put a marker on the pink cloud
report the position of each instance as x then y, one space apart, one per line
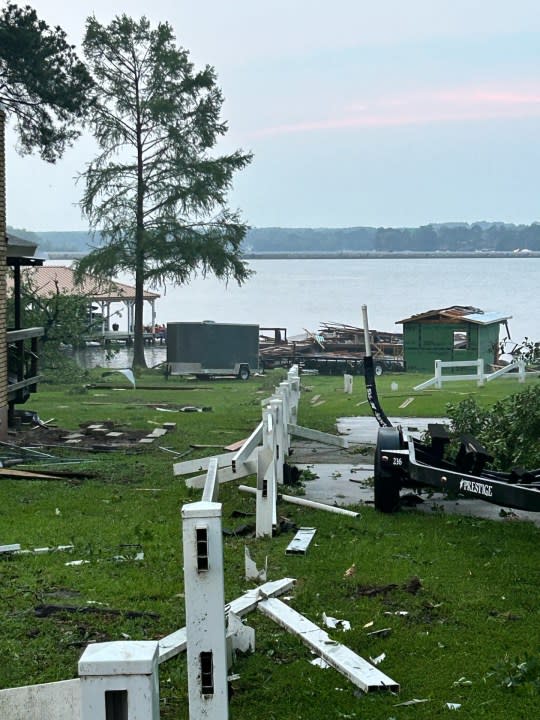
422 108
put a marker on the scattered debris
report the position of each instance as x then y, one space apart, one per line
384 632
462 682
319 662
414 701
453 706
126 372
9 549
301 541
336 624
251 570
242 636
43 611
411 586
350 571
355 668
407 402
233 447
378 660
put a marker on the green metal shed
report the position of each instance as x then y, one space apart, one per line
450 334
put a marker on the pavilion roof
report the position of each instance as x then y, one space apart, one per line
48 278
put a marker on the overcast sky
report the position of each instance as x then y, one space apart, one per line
394 113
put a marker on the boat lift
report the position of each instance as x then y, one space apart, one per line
403 461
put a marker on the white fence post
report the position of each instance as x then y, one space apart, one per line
205 619
347 383
266 513
284 393
438 374
280 437
481 376
119 681
294 384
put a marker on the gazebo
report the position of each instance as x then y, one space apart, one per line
49 279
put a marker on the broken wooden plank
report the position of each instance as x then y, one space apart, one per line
300 542
226 474
253 442
310 434
15 547
211 485
175 643
233 447
27 474
191 466
359 671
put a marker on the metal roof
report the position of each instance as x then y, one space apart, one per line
487 318
459 312
48 279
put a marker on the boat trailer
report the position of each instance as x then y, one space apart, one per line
403 461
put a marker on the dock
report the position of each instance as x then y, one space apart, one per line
110 337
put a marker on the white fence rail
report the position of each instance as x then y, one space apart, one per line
480 376
119 680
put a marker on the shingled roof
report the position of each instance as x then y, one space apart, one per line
47 279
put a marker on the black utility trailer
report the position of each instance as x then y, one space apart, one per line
403 461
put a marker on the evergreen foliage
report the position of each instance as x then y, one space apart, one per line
155 192
43 84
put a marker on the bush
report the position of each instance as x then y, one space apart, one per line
510 430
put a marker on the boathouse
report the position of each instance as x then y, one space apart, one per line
451 334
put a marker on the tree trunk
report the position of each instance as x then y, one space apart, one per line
139 361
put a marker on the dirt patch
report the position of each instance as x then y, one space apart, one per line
97 436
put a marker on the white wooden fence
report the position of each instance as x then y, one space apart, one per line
480 375
120 680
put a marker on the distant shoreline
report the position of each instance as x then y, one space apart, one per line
349 255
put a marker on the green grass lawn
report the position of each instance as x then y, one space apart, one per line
470 635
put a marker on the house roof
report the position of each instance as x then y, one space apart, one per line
457 313
50 278
22 251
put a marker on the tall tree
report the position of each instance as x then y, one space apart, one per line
155 191
43 84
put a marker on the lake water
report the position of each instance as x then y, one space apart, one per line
300 294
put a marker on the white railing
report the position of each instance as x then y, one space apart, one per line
480 376
120 680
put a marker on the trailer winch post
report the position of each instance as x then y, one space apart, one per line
369 376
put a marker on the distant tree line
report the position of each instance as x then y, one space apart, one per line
449 237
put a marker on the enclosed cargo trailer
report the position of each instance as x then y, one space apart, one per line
209 349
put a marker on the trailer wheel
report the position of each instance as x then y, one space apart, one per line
243 373
387 484
378 370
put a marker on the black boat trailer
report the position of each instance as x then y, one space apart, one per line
404 461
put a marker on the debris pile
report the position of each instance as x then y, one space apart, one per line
335 348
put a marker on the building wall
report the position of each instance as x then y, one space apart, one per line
3 272
423 343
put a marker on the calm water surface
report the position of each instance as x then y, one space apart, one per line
300 294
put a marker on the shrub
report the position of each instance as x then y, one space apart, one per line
510 430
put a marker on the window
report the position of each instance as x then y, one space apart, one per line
461 340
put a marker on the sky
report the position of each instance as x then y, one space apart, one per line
358 113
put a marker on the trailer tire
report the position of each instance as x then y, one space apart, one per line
378 370
387 485
243 373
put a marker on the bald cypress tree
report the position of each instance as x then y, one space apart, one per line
156 191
